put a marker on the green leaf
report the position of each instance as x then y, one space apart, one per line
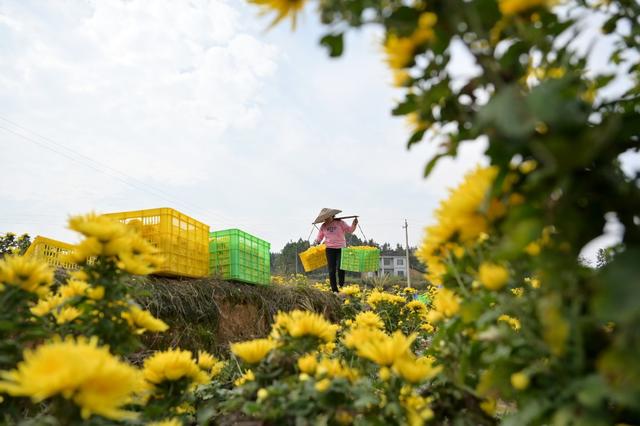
416 137
334 43
432 163
610 26
6 325
603 80
403 21
365 400
592 391
405 107
618 288
554 102
528 413
518 232
507 113
511 59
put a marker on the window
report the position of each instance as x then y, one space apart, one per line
400 262
400 273
387 271
388 261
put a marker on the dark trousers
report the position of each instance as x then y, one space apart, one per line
333 264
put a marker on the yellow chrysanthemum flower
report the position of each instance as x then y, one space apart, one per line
513 322
172 365
283 8
253 351
248 376
489 406
307 364
73 288
460 219
493 276
401 77
368 319
528 166
102 228
79 275
168 422
80 371
385 351
304 323
515 7
427 328
376 297
331 367
359 336
87 249
28 274
446 302
533 248
350 290
520 380
262 394
206 360
327 348
401 50
95 293
323 385
47 304
210 364
416 370
417 409
216 369
344 417
384 374
111 238
533 282
416 306
143 320
66 314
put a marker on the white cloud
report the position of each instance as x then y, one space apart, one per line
203 111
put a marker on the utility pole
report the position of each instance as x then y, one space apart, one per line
406 239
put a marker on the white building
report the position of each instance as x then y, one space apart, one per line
393 265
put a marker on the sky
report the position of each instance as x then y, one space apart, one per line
126 105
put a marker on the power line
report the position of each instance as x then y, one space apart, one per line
105 166
115 174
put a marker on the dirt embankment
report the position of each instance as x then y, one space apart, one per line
208 313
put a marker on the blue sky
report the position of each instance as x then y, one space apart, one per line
114 106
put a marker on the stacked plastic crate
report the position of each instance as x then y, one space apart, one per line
181 240
314 257
360 259
52 251
239 256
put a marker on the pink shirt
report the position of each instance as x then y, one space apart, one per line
333 234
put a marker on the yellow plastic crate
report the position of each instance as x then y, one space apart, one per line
52 251
314 257
180 239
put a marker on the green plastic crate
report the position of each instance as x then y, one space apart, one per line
359 260
239 256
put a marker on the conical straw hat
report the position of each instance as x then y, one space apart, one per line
325 214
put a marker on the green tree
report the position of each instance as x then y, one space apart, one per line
9 243
287 261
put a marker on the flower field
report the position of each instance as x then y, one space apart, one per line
514 328
480 347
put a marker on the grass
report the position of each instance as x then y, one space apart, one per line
209 313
